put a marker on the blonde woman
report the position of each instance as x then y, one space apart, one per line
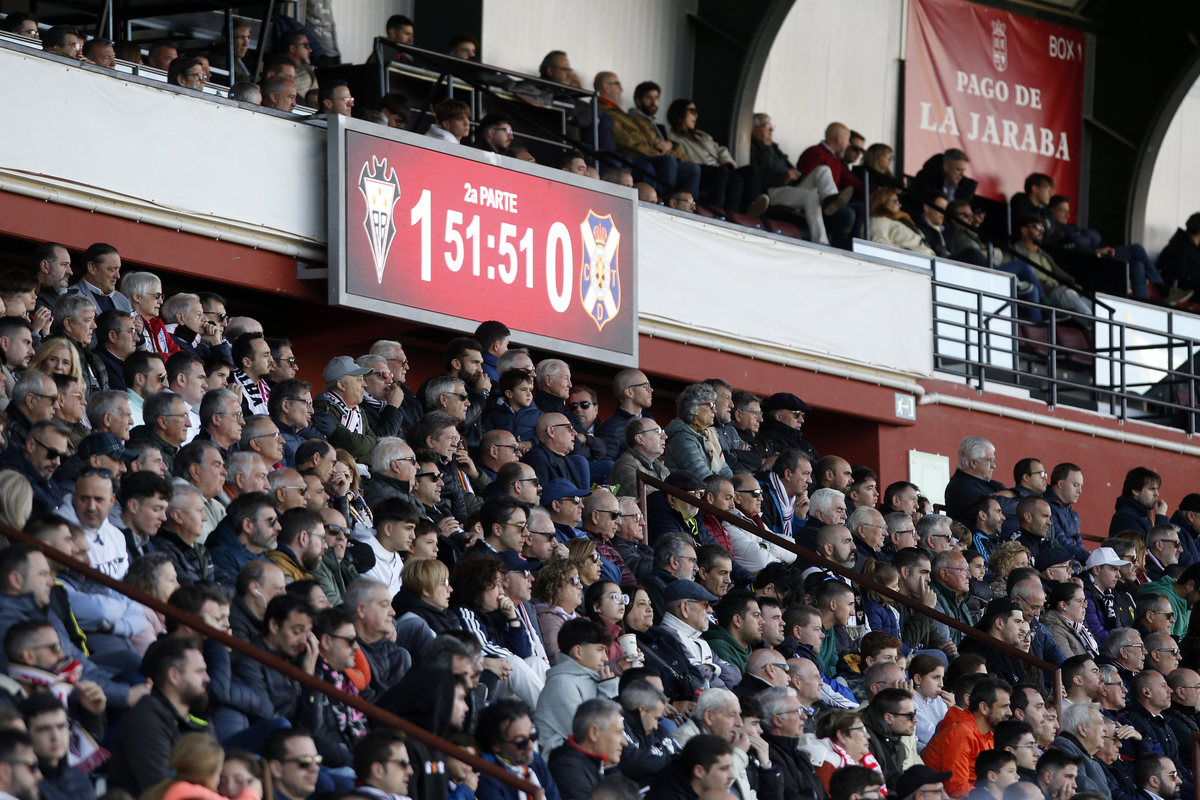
196 762
342 487
892 226
56 356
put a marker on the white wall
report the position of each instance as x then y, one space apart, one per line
834 60
360 21
638 40
1174 188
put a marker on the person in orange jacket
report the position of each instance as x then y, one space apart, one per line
966 732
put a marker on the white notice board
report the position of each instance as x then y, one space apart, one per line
930 472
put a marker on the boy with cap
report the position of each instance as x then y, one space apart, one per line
336 412
1108 607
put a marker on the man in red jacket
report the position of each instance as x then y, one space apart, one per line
843 219
966 732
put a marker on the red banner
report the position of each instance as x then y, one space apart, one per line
453 240
1005 89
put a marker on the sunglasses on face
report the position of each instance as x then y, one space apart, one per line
584 404
304 762
90 471
752 492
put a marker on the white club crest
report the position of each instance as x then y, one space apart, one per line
381 190
999 45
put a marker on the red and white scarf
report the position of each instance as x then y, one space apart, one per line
868 761
84 754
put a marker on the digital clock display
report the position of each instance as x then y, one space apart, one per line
454 238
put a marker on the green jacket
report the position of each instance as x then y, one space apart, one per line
827 656
726 647
334 576
1166 586
951 606
358 445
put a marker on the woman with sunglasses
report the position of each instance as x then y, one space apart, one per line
605 602
587 558
557 593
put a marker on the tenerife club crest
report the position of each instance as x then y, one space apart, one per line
600 278
381 190
999 45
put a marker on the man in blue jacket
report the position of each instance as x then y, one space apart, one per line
1066 486
1139 506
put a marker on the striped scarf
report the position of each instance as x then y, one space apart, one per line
257 393
868 761
350 418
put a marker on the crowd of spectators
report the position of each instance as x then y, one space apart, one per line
469 553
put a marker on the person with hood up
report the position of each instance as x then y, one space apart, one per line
436 700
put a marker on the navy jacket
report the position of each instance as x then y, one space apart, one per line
548 465
47 496
539 773
1067 534
612 431
961 490
1130 516
227 552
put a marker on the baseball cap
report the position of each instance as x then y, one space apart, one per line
340 367
688 590
1050 557
916 777
1105 557
684 480
784 401
105 444
1190 503
558 488
515 562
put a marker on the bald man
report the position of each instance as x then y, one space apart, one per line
633 393
764 669
828 153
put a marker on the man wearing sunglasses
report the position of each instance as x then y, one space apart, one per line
1061 288
783 419
601 519
508 738
751 551
36 457
292 758
891 724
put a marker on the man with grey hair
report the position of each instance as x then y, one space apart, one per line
634 395
221 420
1162 652
976 463
75 318
179 536
902 532
870 534
261 436
166 416
739 454
279 94
951 583
109 412
643 443
447 393
674 560
393 470
1163 547
374 623
338 408
34 398
630 540
783 718
597 739
783 183
650 747
718 712
934 534
1082 736
397 362
244 472
1125 650
246 92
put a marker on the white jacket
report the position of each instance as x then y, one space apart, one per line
885 230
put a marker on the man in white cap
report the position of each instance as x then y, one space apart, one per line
336 413
1108 607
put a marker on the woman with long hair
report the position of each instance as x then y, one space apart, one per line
722 182
196 762
16 500
56 356
605 602
1064 618
930 701
587 560
876 167
342 487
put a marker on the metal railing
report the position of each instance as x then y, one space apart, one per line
373 712
989 340
644 480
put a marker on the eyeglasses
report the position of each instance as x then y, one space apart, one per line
291 362
50 397
336 530
626 516
518 525
516 448
346 639
277 436
307 403
31 763
576 582
55 647
534 481
943 536
108 473
1028 744
619 598
616 515
1172 651
559 425
639 385
859 728
295 488
51 453
406 458
756 493
595 558
1170 615
575 500
404 763
548 534
783 667
460 395
304 762
239 415
584 404
1042 473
